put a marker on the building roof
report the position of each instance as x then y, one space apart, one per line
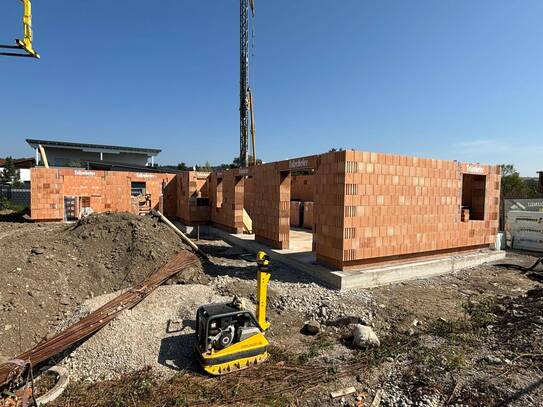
19 162
113 166
93 147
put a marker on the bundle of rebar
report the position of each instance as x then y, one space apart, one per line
90 324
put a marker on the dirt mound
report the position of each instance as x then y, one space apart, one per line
123 247
48 269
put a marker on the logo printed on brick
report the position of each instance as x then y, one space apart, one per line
85 173
475 169
144 175
298 163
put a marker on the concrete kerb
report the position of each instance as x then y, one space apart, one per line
369 277
416 270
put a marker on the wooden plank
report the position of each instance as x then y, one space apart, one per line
247 222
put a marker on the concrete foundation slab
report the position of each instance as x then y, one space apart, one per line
300 258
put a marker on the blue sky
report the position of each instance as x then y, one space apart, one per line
445 79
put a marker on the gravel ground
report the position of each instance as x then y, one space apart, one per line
140 338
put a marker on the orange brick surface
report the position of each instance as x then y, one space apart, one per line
308 215
106 190
362 207
302 188
295 208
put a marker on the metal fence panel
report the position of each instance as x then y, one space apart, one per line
524 224
17 196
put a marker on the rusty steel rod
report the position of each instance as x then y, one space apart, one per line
96 320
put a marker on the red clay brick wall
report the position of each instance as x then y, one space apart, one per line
249 195
192 185
397 205
308 215
295 213
302 188
226 200
271 210
328 208
108 190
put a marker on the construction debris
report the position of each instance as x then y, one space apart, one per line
59 387
342 392
377 399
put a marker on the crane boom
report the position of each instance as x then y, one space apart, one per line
26 43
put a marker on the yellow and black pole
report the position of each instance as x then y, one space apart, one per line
263 262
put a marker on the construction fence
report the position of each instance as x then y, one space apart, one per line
523 219
17 196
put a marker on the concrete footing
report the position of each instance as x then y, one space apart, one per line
368 276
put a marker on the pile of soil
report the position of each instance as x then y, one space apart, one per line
47 270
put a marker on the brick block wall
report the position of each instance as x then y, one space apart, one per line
295 207
226 200
308 215
106 190
192 185
271 211
302 188
328 208
397 206
248 195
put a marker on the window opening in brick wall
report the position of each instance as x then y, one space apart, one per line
473 195
137 188
220 197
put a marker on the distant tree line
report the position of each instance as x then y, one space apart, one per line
515 186
208 167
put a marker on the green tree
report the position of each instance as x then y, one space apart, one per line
206 167
236 163
514 186
10 174
182 167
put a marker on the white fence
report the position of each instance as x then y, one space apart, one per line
524 224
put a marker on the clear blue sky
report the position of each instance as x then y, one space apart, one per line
446 79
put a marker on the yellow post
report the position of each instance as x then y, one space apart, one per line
262 289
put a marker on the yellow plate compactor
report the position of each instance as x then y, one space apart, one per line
229 337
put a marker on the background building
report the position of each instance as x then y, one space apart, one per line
68 154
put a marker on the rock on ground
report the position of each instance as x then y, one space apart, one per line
364 336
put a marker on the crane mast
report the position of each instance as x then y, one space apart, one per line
244 83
